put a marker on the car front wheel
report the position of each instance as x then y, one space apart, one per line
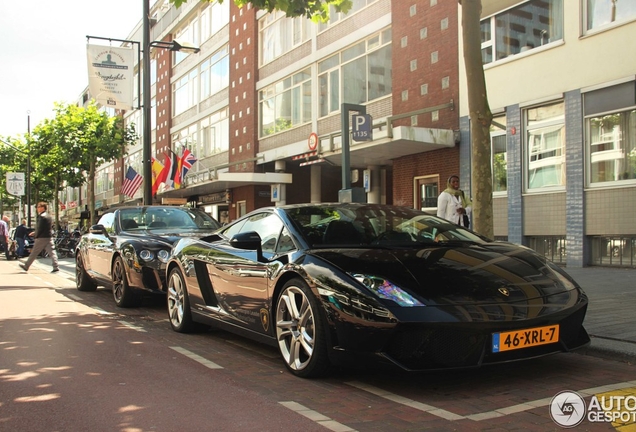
124 295
300 331
178 303
82 279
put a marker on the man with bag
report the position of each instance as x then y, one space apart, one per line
43 239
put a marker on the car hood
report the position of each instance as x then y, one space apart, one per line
166 237
457 275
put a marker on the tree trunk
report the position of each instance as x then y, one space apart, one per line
480 119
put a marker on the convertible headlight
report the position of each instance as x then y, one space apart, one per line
146 255
386 290
163 255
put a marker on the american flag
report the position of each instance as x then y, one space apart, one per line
132 181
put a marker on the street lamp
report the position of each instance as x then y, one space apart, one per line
147 144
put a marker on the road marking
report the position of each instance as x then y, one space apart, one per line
500 412
131 326
100 310
205 362
317 417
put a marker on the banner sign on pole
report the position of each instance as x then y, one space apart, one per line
110 75
15 183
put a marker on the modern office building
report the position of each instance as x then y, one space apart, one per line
263 104
562 84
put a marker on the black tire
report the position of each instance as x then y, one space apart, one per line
179 313
300 330
83 282
124 295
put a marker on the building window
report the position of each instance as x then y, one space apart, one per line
499 156
335 16
427 191
285 104
184 92
215 132
186 138
189 33
215 73
522 28
279 35
214 18
605 13
611 141
545 144
358 74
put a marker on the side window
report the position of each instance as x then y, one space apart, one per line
268 226
108 221
233 230
285 243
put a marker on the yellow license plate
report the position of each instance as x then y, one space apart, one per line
526 338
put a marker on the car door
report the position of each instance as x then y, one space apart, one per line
241 281
100 248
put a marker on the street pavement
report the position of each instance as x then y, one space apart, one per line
610 319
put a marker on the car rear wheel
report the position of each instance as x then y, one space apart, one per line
82 279
300 331
178 303
124 295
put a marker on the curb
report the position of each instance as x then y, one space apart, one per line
610 349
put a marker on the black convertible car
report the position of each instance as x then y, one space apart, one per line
326 283
129 247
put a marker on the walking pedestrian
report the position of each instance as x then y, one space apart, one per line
4 235
20 236
43 239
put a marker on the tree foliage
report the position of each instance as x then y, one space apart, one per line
67 149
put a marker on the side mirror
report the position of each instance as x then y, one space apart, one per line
97 229
248 241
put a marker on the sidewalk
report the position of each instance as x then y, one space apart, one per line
610 319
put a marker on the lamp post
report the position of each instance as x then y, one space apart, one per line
147 144
28 170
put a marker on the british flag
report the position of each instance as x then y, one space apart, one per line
185 163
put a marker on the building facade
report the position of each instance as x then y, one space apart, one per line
562 91
263 104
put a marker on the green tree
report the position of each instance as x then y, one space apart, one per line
68 148
479 110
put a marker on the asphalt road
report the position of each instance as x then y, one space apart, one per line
73 361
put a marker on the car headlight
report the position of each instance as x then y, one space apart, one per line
163 255
387 290
146 255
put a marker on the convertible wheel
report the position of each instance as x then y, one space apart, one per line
300 331
124 295
82 279
178 303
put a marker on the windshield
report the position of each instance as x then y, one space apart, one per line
375 225
162 218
